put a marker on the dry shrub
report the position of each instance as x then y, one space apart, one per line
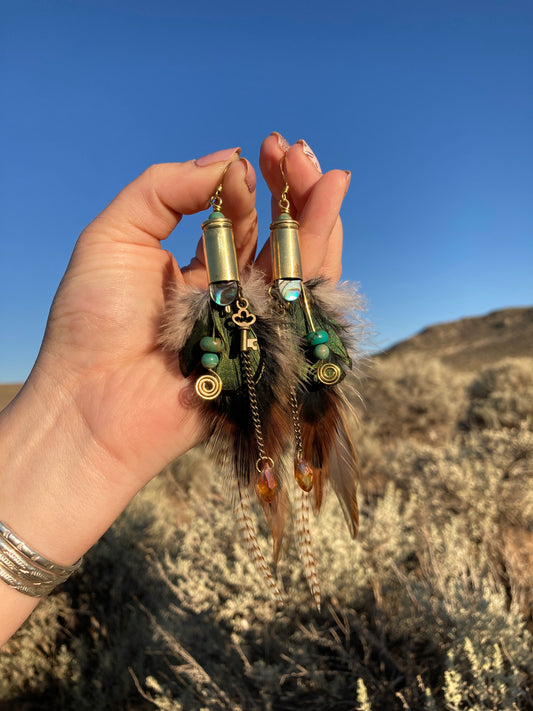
39 654
427 611
412 396
501 395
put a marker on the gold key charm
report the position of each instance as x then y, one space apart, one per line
244 320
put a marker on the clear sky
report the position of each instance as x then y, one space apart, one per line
428 102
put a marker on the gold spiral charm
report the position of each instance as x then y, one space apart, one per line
208 387
328 373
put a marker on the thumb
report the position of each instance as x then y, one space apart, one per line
149 208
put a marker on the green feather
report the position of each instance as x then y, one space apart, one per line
218 323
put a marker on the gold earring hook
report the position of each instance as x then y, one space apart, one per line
215 200
284 203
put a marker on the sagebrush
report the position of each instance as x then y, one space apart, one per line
430 609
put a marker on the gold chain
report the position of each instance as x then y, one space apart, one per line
296 423
254 406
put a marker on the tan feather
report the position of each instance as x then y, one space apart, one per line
247 528
303 538
344 471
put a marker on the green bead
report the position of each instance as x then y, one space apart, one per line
211 345
315 338
321 352
284 216
210 360
216 215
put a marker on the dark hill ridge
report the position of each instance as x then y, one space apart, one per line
470 343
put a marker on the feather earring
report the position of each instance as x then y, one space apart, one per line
229 343
320 397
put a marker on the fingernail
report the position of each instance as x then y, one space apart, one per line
309 153
249 175
282 142
217 157
348 178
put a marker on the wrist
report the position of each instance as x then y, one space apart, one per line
58 489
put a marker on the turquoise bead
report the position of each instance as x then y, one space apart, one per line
315 338
210 360
321 352
216 215
211 345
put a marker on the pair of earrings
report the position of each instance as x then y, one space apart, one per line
269 362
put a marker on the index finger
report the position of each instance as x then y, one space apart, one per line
149 208
315 202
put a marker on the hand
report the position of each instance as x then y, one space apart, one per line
101 340
102 412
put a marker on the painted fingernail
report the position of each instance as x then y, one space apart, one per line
282 142
348 178
249 175
309 153
217 156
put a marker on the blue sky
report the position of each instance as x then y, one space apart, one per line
428 103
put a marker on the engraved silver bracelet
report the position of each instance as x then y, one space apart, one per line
27 571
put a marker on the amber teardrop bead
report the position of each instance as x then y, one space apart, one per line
303 475
267 486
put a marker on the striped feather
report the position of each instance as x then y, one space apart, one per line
303 539
247 528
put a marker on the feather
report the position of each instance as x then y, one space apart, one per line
324 393
303 537
329 449
276 515
230 427
344 467
246 526
279 405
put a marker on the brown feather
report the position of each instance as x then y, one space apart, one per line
319 421
325 418
231 440
326 412
276 515
303 538
344 472
247 528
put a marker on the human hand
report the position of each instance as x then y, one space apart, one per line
100 362
101 341
102 411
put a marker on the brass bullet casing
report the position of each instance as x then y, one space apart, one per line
285 248
219 249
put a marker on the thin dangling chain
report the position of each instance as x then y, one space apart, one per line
243 319
254 407
296 424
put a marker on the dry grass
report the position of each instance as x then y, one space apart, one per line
430 609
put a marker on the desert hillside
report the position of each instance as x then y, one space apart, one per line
470 343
